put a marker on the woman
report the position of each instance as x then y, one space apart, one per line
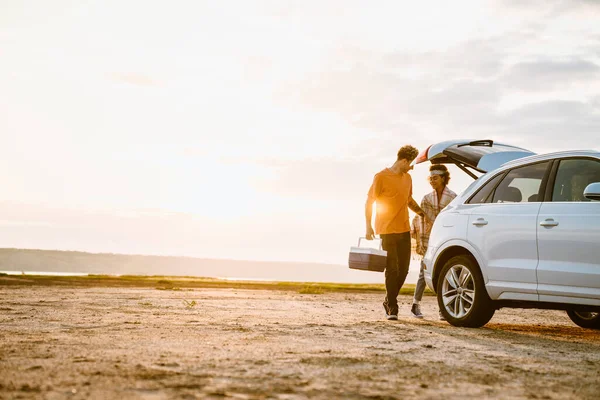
432 204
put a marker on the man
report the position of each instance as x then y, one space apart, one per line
432 204
392 191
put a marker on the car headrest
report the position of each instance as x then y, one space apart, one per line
511 194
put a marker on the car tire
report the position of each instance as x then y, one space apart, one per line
461 293
590 320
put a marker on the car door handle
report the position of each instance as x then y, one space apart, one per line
549 222
480 222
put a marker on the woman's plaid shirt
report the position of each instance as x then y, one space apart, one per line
421 229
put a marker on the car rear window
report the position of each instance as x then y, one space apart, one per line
482 195
521 185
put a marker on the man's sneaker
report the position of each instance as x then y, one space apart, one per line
416 311
442 318
389 314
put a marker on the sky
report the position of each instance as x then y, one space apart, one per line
252 130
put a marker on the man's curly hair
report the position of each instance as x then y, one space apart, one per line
408 152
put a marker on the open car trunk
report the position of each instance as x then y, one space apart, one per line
472 155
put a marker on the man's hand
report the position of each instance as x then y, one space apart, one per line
370 233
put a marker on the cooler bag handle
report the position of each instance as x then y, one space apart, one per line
380 241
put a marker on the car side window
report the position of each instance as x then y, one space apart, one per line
483 194
521 185
572 176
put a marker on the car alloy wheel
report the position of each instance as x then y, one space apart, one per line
585 319
458 291
588 316
461 293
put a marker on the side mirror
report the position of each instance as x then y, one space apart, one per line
592 191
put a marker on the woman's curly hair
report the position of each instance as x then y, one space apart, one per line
441 167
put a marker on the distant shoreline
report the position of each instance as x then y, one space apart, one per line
58 273
181 283
62 262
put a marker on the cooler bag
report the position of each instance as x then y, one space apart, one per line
367 258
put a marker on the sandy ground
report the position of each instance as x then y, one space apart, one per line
103 343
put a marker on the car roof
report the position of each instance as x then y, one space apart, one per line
551 156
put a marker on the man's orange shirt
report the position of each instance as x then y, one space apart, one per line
391 192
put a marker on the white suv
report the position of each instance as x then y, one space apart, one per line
525 234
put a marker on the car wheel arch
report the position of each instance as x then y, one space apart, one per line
449 252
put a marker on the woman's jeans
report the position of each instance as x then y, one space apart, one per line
420 288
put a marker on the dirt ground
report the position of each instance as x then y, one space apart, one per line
141 343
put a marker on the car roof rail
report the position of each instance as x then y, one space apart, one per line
484 142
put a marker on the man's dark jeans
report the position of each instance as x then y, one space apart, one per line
398 250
